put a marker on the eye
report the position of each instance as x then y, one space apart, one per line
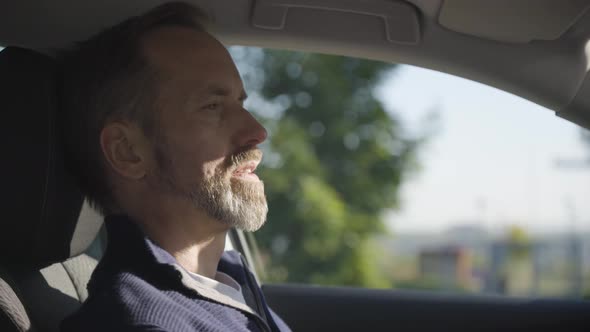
211 107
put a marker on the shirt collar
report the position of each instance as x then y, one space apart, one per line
129 249
123 232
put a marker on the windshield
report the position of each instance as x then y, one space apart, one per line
392 176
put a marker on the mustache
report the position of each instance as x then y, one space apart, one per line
236 159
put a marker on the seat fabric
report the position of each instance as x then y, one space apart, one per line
45 227
49 294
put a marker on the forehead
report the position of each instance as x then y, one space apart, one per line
188 54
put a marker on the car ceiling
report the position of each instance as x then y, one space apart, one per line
536 49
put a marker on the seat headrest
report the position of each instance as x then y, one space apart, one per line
42 220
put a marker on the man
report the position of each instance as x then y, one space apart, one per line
162 144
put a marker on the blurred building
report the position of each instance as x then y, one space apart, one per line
512 267
449 266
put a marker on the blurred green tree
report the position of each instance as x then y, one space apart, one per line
334 161
519 242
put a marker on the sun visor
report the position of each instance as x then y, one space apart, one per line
512 21
399 19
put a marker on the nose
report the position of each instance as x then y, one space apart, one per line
251 132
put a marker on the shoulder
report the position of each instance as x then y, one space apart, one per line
130 303
126 303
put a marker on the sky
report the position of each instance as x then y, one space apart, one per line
490 159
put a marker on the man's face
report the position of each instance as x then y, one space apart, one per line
205 144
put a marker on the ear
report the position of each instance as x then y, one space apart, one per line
125 149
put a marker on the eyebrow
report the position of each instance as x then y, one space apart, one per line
224 92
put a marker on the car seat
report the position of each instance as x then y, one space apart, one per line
45 227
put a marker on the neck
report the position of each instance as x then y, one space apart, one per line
190 235
200 257
197 250
194 239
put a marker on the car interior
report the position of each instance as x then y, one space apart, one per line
49 237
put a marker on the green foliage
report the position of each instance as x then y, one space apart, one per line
333 162
431 284
519 242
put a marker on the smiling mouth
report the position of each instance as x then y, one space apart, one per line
246 171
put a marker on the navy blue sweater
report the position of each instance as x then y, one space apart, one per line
138 286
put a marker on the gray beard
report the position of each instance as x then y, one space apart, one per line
233 202
236 203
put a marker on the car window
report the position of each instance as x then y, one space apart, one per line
391 176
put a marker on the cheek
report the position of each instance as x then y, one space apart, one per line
211 168
197 148
199 139
194 160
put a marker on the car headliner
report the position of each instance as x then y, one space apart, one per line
533 48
